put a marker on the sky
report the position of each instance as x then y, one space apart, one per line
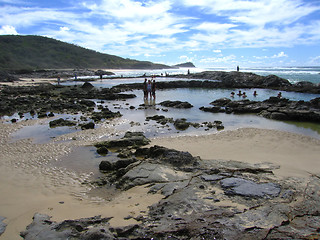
209 33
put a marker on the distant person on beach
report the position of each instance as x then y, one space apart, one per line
239 93
238 68
232 94
153 89
255 93
149 89
279 95
58 80
244 95
75 77
145 92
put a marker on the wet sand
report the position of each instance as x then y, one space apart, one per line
30 184
297 155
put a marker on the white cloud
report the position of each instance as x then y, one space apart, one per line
217 51
64 29
8 30
279 55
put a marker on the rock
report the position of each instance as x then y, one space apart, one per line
2 225
130 139
176 104
105 113
89 125
61 122
150 173
247 188
43 228
102 150
181 124
165 155
221 102
112 166
211 109
87 103
87 85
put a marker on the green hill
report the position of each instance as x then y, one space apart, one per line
35 52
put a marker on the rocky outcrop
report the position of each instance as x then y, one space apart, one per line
272 108
176 104
202 198
220 79
87 228
61 122
49 98
130 140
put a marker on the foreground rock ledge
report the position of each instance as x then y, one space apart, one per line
202 200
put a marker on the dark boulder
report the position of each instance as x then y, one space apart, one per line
181 124
176 104
89 125
61 122
171 156
221 102
87 86
86 228
130 139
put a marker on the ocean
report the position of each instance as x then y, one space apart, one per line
293 74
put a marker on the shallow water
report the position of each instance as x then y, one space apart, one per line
135 120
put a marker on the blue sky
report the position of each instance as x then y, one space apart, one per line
209 33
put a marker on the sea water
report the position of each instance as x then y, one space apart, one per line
293 74
198 98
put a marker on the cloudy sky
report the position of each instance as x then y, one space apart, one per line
210 33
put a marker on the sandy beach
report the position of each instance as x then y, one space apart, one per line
29 184
296 155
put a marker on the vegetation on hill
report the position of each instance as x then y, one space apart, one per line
35 52
187 65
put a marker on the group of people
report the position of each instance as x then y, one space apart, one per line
242 94
149 88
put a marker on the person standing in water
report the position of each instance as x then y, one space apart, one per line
145 93
153 89
149 89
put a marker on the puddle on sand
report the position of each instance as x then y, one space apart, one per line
40 133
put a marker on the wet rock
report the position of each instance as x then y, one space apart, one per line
176 104
165 155
211 109
130 139
221 102
105 113
150 173
87 85
112 166
2 225
181 124
89 125
247 188
87 228
61 122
